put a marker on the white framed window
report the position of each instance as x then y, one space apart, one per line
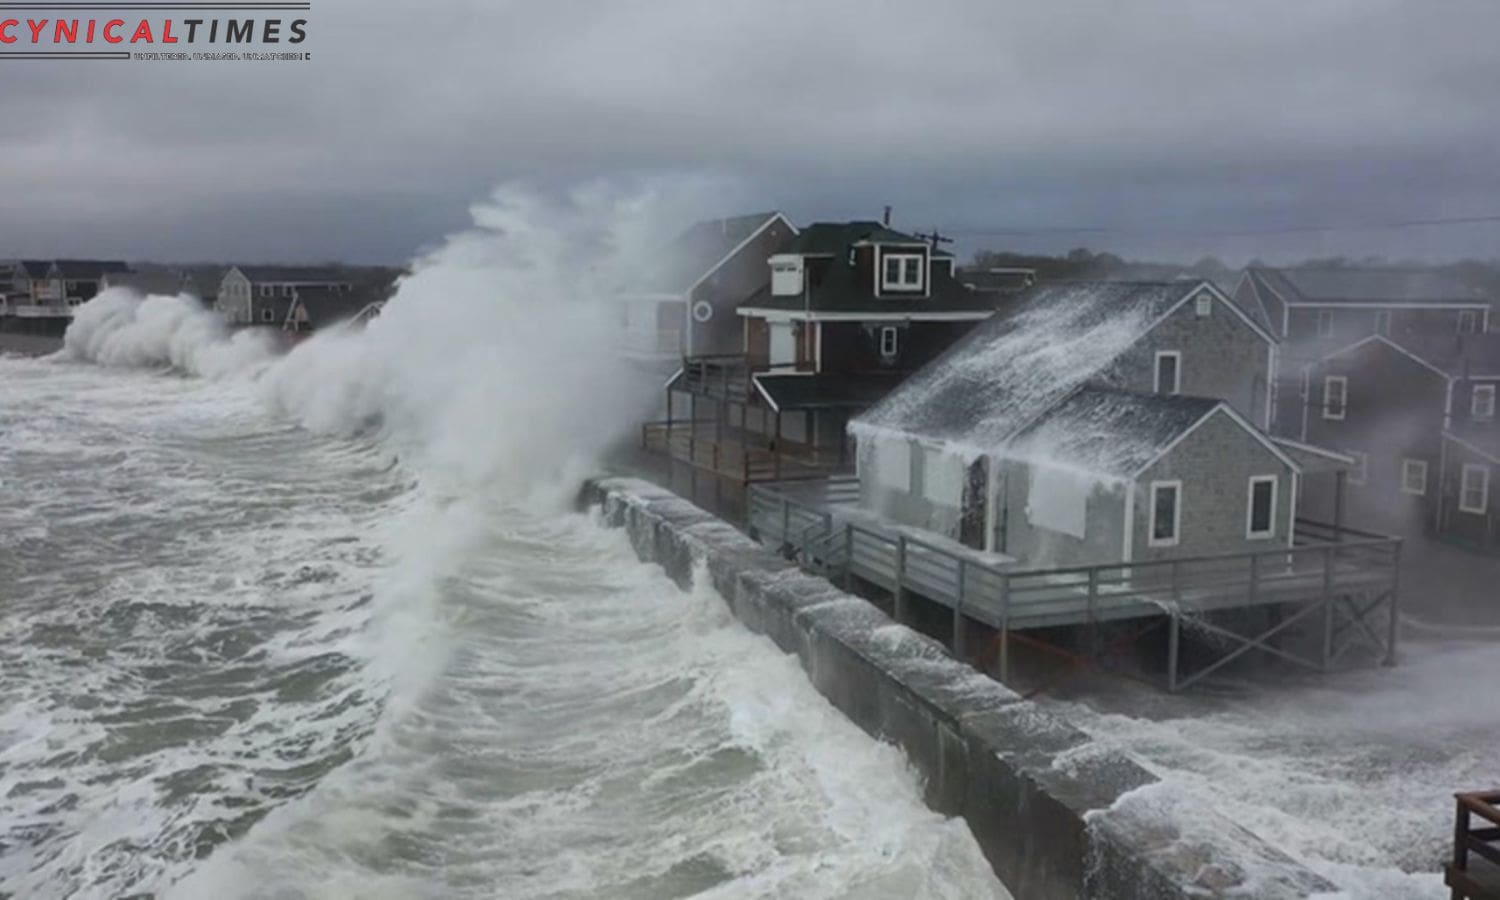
267 290
1482 405
888 337
1383 322
267 315
1335 397
1260 510
901 272
1474 490
1166 514
1414 477
1204 305
1468 321
286 290
1168 372
1325 323
1361 471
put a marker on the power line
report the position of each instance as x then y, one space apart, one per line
1246 232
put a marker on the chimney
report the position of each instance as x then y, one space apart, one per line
886 219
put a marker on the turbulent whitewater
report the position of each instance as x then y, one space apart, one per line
322 626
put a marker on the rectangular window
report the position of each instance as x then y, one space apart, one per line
1166 513
286 290
1261 513
1361 471
888 341
1169 372
266 315
1468 322
1474 492
1325 323
267 290
1204 306
1483 403
1335 397
1414 477
901 272
1383 322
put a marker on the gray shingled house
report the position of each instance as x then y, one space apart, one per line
1093 422
1316 311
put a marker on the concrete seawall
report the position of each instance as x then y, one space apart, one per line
1057 815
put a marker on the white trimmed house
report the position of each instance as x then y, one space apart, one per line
1093 423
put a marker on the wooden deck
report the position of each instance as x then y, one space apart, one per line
1474 873
1341 576
743 456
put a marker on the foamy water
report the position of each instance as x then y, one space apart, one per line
250 661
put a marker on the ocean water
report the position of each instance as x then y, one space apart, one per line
240 658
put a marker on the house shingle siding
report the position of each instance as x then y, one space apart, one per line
1215 464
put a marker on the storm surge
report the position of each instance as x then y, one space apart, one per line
360 646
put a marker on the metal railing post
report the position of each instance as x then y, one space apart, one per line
1004 628
958 611
1327 607
1174 641
899 602
1093 612
848 552
1394 623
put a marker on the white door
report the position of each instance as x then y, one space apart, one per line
783 344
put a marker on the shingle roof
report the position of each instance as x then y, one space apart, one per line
695 252
1109 432
824 391
834 286
298 274
86 269
1022 362
1457 355
1367 285
327 307
159 281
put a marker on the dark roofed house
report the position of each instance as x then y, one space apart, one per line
684 300
849 310
202 281
321 307
73 282
242 286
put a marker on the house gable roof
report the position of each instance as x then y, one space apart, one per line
296 274
86 269
701 250
1023 361
1447 356
1360 286
1105 431
834 285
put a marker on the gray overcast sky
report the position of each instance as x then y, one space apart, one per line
1172 122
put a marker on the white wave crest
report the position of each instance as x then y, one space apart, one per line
121 328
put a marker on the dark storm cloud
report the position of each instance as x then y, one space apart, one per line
1174 124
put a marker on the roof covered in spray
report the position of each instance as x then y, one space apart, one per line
697 251
1367 285
1109 432
1022 362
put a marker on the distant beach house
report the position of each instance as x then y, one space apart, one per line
262 295
315 308
684 303
1314 311
843 312
1092 422
146 280
1418 415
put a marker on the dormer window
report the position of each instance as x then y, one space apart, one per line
901 272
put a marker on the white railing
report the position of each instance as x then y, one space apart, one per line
32 311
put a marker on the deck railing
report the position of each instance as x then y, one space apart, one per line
1325 563
1465 880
